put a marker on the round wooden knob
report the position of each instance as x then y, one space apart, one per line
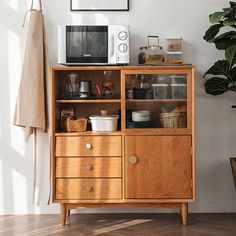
88 146
89 167
133 160
90 189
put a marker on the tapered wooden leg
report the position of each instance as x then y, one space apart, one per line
63 214
184 213
68 212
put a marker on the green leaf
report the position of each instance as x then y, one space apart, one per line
225 40
232 4
230 55
216 86
232 74
219 68
212 32
229 22
216 17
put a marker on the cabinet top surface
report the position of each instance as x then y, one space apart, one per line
157 67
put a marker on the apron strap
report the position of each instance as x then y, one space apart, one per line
40 5
32 9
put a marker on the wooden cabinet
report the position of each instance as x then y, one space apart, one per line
158 167
142 164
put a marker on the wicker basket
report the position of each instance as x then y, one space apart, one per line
173 120
75 125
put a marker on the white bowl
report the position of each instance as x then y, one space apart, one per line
141 113
141 118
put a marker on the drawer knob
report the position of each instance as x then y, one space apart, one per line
133 160
90 189
88 146
89 167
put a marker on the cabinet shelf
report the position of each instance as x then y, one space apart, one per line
156 100
90 101
86 133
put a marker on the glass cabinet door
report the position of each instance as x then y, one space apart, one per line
157 100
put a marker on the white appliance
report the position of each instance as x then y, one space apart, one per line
93 44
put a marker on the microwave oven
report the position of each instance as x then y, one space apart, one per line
93 44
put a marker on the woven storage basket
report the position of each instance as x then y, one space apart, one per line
75 125
173 120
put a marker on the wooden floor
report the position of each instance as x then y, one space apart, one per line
119 224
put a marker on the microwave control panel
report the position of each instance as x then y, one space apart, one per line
122 44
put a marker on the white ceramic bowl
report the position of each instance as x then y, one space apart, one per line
104 123
140 113
141 118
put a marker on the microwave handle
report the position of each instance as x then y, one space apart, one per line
112 46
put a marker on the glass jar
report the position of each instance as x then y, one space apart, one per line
108 86
174 44
142 55
72 85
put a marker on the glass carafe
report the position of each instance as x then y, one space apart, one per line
154 53
72 86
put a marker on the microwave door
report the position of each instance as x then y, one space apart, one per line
87 45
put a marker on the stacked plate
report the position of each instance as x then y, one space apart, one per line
141 116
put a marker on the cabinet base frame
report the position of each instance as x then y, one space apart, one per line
66 208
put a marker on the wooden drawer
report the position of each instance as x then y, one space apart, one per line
88 189
88 146
88 167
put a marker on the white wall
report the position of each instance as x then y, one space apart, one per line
216 129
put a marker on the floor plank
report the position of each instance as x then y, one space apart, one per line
119 225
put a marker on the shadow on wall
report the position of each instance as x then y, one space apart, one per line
15 155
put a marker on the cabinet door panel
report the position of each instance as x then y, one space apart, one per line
163 168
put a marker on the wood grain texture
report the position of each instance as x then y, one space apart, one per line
88 167
163 169
184 213
100 146
137 224
63 214
88 188
177 69
166 178
124 205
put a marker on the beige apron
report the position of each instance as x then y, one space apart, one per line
31 110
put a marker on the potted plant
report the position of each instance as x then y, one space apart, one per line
221 77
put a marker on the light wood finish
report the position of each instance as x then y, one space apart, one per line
134 69
79 146
162 148
88 167
126 201
166 162
90 101
156 100
88 188
88 133
184 213
63 213
138 224
125 205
